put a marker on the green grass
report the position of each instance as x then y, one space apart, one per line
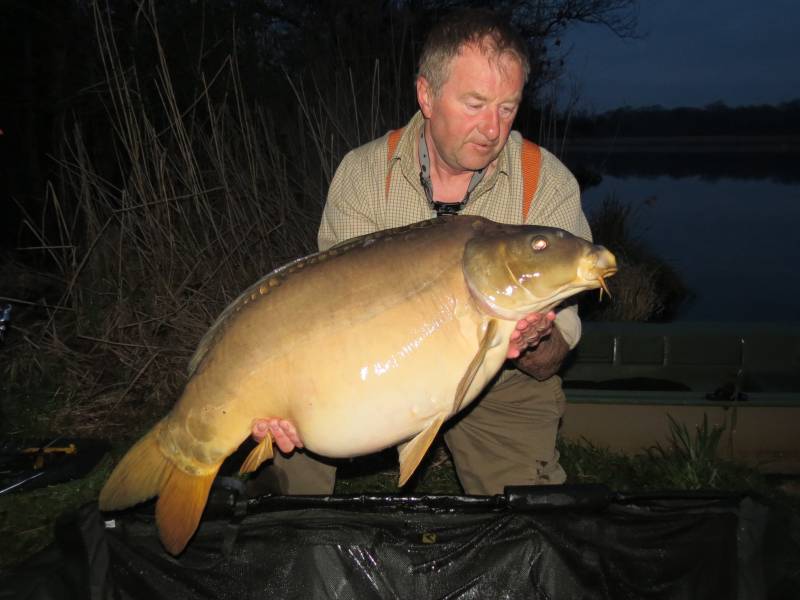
651 470
27 519
688 461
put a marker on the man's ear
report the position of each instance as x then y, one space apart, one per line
424 96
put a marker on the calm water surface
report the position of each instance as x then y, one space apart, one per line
736 242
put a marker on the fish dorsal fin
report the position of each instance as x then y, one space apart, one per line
411 452
472 369
259 454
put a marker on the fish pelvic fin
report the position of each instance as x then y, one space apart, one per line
474 365
262 452
138 476
411 452
180 506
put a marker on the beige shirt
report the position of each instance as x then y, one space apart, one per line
358 203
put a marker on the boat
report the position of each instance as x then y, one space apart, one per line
628 384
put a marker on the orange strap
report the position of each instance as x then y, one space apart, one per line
531 165
391 146
531 160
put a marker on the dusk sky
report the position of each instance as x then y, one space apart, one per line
693 53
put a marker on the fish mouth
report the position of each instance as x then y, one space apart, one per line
597 266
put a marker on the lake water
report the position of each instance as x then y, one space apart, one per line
735 242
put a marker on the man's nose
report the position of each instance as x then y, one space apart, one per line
489 126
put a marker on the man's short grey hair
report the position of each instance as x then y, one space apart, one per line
482 29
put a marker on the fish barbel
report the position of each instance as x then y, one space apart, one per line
373 343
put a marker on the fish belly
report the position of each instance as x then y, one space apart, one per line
383 388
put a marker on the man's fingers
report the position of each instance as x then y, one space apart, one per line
281 441
529 331
291 433
259 430
283 433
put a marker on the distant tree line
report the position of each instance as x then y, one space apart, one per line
717 119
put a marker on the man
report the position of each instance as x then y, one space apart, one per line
458 154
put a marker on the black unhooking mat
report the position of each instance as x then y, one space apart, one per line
546 543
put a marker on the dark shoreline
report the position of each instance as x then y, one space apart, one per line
775 158
789 144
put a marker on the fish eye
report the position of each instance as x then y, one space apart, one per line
539 243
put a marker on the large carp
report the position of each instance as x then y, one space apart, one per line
373 343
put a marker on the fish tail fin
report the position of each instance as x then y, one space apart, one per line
139 476
145 472
180 506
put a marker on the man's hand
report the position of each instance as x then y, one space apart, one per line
283 433
529 332
537 347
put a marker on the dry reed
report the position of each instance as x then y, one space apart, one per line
206 205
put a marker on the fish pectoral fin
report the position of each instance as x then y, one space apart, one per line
472 369
411 452
259 454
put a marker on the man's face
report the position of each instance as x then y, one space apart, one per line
471 116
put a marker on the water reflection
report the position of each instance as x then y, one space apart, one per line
735 241
771 158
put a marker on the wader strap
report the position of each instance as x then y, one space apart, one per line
394 139
531 165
